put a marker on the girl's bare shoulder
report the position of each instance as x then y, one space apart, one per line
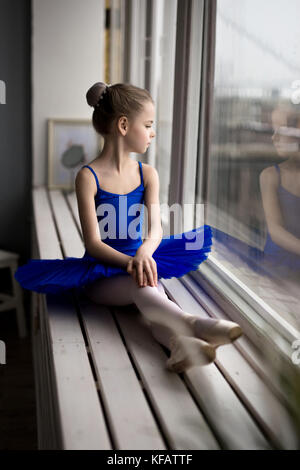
149 173
85 181
269 176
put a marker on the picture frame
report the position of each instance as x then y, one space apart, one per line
72 143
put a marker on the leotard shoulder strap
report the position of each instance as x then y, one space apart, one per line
278 171
141 172
96 177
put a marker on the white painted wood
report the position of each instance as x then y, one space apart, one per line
45 227
266 408
225 413
253 392
82 425
63 323
181 420
69 236
72 201
257 349
51 435
130 418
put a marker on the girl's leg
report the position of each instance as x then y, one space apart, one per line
169 324
166 320
164 317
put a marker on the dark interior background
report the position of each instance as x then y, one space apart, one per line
15 131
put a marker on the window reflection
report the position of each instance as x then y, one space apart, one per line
254 162
280 190
165 93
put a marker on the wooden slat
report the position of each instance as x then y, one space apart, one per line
84 426
48 244
51 433
82 420
265 407
69 236
72 201
181 420
130 418
36 343
225 413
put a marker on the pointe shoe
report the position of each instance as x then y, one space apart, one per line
216 331
187 352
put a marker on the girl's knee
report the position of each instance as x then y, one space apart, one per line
144 292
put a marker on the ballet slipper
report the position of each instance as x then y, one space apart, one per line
215 331
187 352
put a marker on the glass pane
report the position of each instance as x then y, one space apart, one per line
116 42
254 164
164 102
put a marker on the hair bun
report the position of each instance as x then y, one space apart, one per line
94 93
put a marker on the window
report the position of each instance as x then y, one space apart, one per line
255 138
165 93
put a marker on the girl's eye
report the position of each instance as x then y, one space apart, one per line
148 126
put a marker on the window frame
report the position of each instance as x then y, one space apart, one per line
260 317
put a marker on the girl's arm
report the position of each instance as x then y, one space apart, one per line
89 224
143 263
268 181
155 231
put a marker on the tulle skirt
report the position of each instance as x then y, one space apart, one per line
175 256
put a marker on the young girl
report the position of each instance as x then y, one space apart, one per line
280 191
118 266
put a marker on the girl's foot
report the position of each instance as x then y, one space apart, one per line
187 352
215 331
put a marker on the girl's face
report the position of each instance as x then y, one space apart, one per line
140 131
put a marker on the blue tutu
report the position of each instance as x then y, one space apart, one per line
56 275
175 256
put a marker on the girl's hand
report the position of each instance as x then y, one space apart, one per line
143 268
134 275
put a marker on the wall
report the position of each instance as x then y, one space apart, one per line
50 53
68 57
15 124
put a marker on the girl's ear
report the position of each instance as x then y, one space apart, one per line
123 124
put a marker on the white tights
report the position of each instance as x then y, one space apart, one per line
165 318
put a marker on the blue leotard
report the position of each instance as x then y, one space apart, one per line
123 230
175 256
